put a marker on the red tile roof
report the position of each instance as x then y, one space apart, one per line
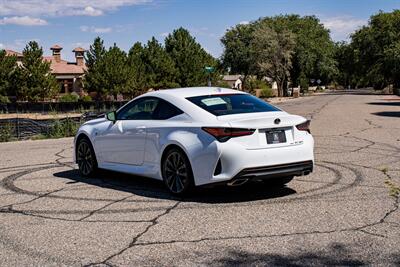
13 53
64 67
61 67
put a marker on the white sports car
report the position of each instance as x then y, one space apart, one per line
195 136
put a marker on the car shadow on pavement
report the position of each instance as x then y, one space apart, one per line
335 254
395 114
155 189
389 103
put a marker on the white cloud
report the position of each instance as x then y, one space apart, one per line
63 8
244 22
342 27
24 21
93 29
87 11
18 44
84 28
2 46
102 30
164 34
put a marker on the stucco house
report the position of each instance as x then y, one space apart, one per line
68 74
234 81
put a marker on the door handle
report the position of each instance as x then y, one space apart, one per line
141 129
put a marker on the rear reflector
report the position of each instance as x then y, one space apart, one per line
224 134
305 126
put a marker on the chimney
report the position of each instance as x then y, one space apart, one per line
79 51
56 52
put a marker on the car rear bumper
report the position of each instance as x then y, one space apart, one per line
237 162
281 170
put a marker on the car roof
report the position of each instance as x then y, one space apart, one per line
194 91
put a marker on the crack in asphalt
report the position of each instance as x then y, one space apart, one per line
102 208
10 210
31 200
305 195
153 222
360 228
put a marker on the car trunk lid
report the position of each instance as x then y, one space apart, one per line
272 129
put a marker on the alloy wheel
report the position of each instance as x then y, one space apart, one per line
176 173
85 158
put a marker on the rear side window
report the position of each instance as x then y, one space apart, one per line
231 104
148 108
141 109
165 111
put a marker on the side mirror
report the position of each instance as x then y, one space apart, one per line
111 116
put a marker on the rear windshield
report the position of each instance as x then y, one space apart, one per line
231 104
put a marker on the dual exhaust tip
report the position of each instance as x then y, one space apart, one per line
242 181
238 182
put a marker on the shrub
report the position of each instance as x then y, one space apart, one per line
6 133
63 128
86 98
266 92
69 98
253 84
4 99
304 84
223 84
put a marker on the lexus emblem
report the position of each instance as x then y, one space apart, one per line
277 121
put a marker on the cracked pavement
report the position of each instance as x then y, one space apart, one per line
345 213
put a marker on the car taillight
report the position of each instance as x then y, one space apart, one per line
224 134
305 126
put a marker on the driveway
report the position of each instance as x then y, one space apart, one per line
344 213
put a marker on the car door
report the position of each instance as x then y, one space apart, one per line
124 140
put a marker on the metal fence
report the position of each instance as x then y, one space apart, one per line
19 127
23 128
46 107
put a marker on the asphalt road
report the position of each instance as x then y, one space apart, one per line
342 214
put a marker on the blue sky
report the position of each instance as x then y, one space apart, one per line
72 23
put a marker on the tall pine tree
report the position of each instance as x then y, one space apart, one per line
137 68
8 65
116 72
36 81
189 57
160 68
93 80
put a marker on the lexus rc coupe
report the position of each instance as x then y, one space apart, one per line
189 137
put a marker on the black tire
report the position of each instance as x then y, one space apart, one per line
177 172
86 158
279 181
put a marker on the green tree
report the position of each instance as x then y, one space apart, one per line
116 73
313 53
377 51
272 52
96 52
137 68
36 81
8 65
159 67
93 80
344 56
237 53
314 50
189 57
